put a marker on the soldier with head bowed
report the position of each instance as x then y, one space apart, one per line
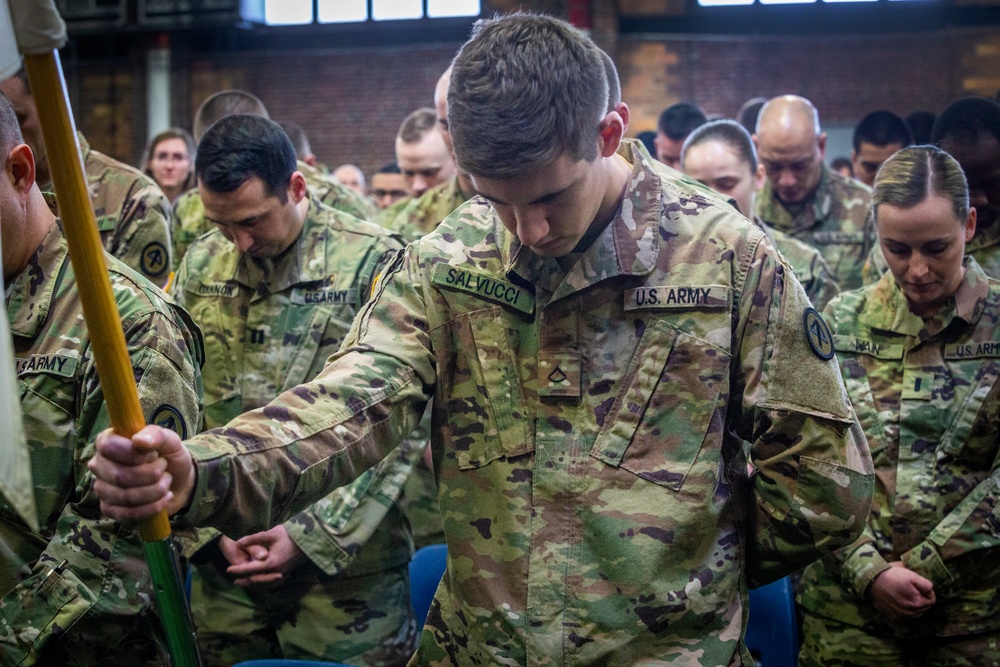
274 288
605 348
77 591
920 354
804 198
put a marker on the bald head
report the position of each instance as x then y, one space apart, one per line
791 147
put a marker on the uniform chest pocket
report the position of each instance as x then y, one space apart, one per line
485 408
667 407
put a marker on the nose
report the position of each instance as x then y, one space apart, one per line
420 185
786 178
918 266
531 227
239 238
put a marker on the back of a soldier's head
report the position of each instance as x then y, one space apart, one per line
876 138
748 112
238 148
226 103
525 90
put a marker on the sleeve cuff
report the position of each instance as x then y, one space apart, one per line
925 560
861 567
316 544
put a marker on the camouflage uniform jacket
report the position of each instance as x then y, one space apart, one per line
133 215
81 585
189 211
984 247
807 263
421 215
270 325
928 399
834 220
588 431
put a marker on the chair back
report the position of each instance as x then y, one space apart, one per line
772 630
426 568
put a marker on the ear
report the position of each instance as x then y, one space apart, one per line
759 177
610 133
623 111
297 187
21 164
970 224
821 142
310 160
854 156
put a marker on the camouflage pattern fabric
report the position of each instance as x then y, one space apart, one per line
335 194
269 325
189 212
829 643
984 247
590 432
927 395
835 220
413 219
78 592
421 215
808 264
133 215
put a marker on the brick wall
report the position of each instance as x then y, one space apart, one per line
351 101
846 77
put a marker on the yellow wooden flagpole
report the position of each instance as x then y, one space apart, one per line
105 328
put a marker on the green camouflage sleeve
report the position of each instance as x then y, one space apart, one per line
142 233
814 479
973 525
327 432
823 284
332 532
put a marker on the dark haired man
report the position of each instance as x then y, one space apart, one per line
275 288
876 137
676 122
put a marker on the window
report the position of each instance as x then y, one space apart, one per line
299 12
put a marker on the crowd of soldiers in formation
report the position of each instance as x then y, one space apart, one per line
633 411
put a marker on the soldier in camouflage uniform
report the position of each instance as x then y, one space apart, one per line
920 355
133 215
602 347
275 299
190 212
969 130
806 199
721 155
77 591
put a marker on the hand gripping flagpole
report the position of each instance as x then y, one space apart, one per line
107 338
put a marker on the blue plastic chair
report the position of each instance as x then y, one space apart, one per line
426 569
772 630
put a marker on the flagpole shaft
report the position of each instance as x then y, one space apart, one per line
99 308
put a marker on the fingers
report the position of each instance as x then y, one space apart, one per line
268 580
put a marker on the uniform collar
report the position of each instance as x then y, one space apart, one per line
32 290
889 310
628 246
